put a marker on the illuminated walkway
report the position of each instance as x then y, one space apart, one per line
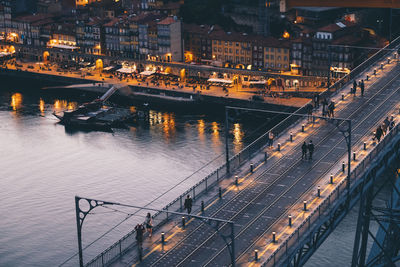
261 202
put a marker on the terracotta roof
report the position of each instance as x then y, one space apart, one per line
349 39
251 38
336 26
167 21
33 18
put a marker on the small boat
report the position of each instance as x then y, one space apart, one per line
95 115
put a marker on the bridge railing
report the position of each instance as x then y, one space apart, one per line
286 247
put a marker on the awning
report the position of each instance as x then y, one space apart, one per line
108 68
64 46
125 70
258 82
217 80
147 72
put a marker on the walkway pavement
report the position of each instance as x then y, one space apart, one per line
263 199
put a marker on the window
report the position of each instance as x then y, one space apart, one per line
230 50
272 49
266 49
226 50
272 57
237 51
279 50
267 57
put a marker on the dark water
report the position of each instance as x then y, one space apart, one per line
43 166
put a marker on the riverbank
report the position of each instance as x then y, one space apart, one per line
160 94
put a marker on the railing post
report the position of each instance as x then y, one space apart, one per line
194 192
206 184
120 249
180 200
102 259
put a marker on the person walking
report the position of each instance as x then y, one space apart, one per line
354 87
391 125
316 100
304 148
309 109
149 224
324 107
270 139
379 133
188 204
139 234
139 239
310 149
362 87
331 109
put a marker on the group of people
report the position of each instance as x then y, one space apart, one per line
328 108
147 226
354 88
307 149
382 129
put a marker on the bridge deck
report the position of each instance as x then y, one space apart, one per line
276 187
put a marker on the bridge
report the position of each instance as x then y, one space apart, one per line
280 207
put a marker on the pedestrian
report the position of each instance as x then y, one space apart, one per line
139 234
384 128
379 133
316 100
149 224
304 148
324 107
310 149
188 204
270 139
332 109
391 125
354 87
309 109
362 87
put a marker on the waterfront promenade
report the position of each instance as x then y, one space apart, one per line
262 200
280 97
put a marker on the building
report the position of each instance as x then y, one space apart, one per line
90 36
328 49
241 50
170 44
232 49
197 43
302 53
